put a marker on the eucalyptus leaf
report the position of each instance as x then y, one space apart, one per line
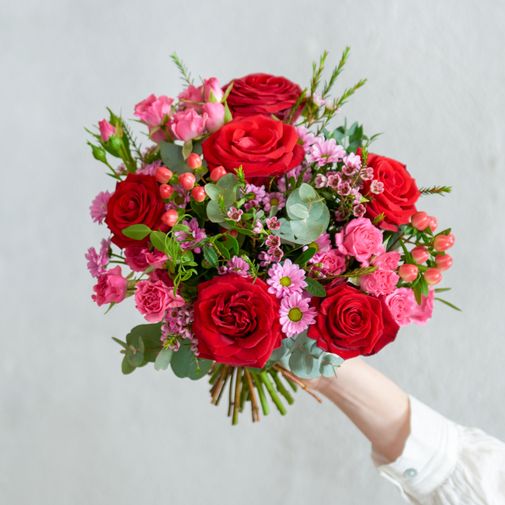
184 363
171 155
163 359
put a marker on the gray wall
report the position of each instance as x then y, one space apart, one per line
72 429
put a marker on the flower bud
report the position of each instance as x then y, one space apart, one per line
166 191
187 180
163 175
198 193
217 173
420 220
170 217
432 276
420 254
408 272
443 242
443 261
194 161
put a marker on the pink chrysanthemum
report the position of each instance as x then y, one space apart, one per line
295 314
97 260
286 279
325 152
98 207
276 199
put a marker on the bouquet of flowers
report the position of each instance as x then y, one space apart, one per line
261 244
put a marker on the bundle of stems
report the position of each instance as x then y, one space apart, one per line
254 386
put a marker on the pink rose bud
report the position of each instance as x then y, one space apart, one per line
420 254
433 224
166 191
163 175
217 173
420 220
194 161
187 180
170 217
215 115
408 272
106 130
433 276
212 91
443 242
187 124
154 110
198 193
443 261
110 288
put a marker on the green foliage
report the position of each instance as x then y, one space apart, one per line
436 190
449 304
136 231
315 288
172 157
183 70
141 347
223 194
163 359
351 137
308 216
185 364
304 358
305 256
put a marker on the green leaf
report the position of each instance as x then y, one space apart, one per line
223 250
171 155
213 191
136 231
315 288
209 253
158 240
144 340
126 367
232 244
449 304
187 149
214 212
163 359
185 364
305 256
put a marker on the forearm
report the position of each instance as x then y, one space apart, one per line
375 404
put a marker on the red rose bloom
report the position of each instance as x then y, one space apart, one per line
136 200
398 200
351 323
236 321
263 147
263 94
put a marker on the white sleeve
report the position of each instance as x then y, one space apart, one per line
447 464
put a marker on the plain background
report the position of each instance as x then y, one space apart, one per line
73 430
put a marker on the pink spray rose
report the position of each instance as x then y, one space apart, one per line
154 298
106 130
110 287
153 110
191 97
387 260
212 85
361 239
404 308
187 124
332 262
138 258
215 115
380 282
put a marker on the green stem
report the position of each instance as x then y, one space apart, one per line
273 394
281 388
261 393
215 373
236 402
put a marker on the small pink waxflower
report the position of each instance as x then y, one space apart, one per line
153 110
273 223
334 180
235 214
258 227
187 124
377 187
273 241
325 152
352 164
286 279
366 173
98 207
97 260
106 130
358 210
344 188
236 265
296 315
110 287
276 199
320 181
360 239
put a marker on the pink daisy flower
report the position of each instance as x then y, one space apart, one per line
295 314
324 152
286 279
98 207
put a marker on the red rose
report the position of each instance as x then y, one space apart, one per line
398 200
136 200
236 321
263 94
263 147
351 323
